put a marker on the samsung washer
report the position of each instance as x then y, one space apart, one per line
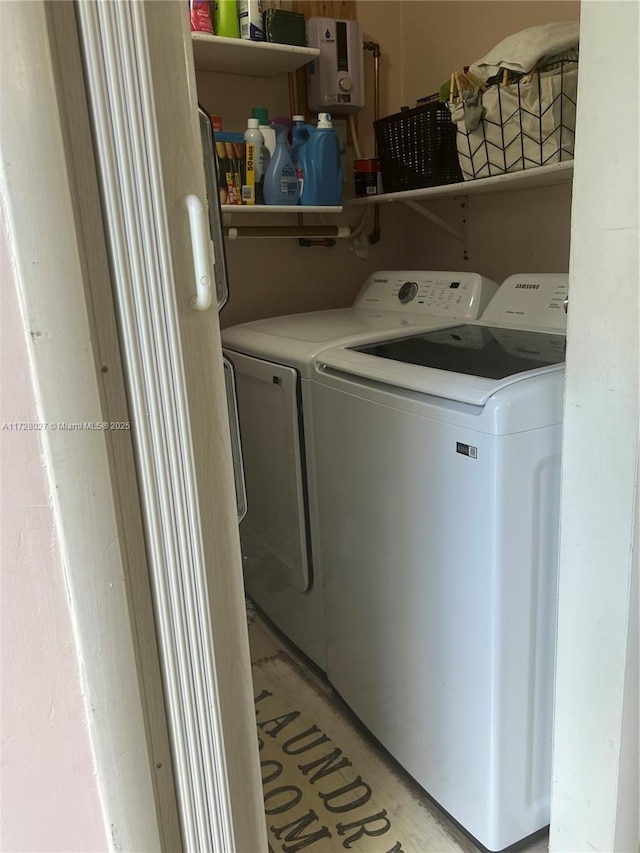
273 363
438 479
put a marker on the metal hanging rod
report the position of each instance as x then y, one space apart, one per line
314 232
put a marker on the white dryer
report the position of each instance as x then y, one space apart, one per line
273 363
438 479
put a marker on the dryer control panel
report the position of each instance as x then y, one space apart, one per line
442 294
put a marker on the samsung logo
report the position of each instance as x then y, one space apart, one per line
527 286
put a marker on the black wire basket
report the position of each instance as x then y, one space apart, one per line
526 123
417 148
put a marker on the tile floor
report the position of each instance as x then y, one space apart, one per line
265 642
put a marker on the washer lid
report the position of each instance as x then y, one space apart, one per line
486 351
467 364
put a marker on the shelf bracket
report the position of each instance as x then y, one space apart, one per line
423 211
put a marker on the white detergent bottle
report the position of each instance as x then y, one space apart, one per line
280 181
262 114
252 192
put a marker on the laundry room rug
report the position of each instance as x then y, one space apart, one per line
326 787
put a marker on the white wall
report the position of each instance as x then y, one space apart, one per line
50 799
422 43
595 792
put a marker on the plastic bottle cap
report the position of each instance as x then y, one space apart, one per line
297 118
324 120
261 113
253 123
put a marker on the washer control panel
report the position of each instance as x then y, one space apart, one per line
531 300
442 294
408 291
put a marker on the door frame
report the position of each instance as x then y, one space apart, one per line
147 139
204 792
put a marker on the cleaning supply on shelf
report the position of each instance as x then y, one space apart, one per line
200 16
320 158
280 182
269 134
250 17
226 23
231 151
300 133
285 27
367 178
252 190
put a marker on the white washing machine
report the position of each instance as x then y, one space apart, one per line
273 363
438 479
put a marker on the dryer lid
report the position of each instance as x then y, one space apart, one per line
318 327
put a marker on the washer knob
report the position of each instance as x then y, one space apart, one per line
407 292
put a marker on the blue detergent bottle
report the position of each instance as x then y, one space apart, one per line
280 182
320 158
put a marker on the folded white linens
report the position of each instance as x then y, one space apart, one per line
522 51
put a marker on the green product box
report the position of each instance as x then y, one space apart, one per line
284 27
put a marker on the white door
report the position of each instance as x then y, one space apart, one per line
141 85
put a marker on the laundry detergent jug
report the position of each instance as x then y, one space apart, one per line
320 162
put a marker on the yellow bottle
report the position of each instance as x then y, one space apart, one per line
227 19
